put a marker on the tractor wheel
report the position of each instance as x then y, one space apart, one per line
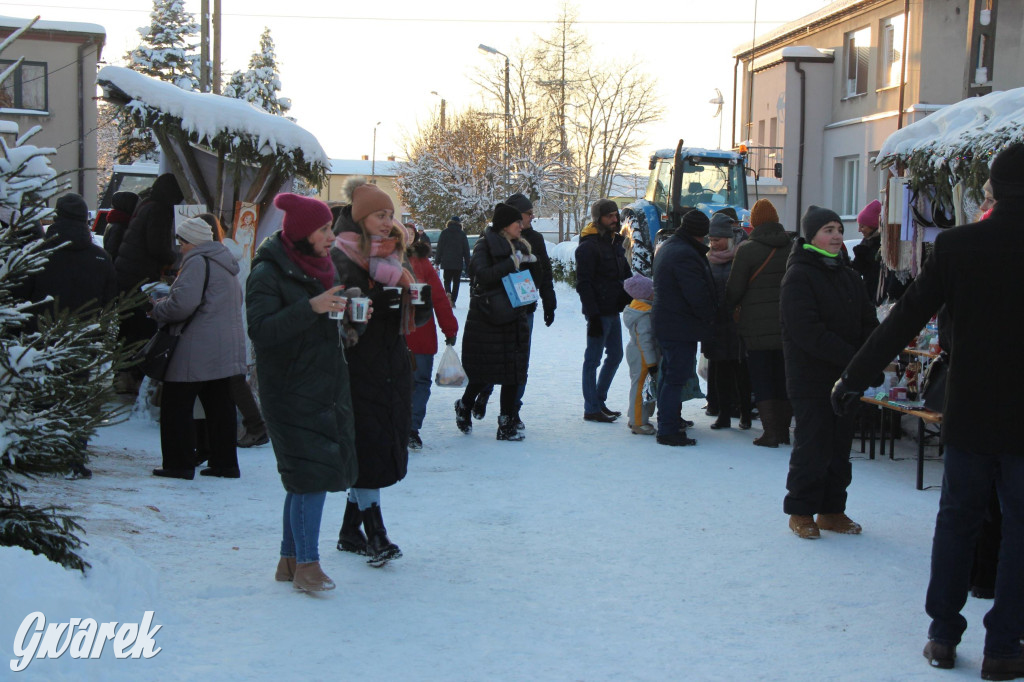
638 242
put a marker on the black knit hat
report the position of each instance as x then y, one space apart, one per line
815 219
504 215
695 224
1007 172
73 207
520 202
601 208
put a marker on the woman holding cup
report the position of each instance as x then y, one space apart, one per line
368 253
303 377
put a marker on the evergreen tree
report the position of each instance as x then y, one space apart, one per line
55 381
261 83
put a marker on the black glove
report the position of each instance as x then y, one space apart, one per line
653 370
449 340
844 398
594 326
389 298
549 317
425 295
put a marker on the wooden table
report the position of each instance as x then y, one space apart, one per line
924 416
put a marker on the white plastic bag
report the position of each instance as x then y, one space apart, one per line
702 367
449 372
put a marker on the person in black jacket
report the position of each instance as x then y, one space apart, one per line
496 351
826 315
540 270
123 205
601 268
684 310
974 270
451 254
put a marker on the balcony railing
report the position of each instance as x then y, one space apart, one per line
765 161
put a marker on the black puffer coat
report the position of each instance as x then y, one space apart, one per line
123 205
494 354
601 268
148 244
684 291
540 270
381 371
303 376
452 250
826 316
759 324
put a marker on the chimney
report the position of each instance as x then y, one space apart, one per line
391 158
366 157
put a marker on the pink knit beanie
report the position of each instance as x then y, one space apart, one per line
302 215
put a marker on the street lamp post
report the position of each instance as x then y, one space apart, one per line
490 50
443 102
373 156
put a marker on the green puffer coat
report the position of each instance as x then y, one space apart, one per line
303 375
759 323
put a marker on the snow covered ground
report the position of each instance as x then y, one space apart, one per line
582 553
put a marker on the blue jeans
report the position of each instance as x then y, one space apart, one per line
421 379
966 486
676 368
595 385
302 513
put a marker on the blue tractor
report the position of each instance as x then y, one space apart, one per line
681 180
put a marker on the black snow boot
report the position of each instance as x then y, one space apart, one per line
507 428
462 418
380 549
351 538
480 406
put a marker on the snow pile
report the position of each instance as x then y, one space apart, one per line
206 116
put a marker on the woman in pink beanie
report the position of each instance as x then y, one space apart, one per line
303 377
369 253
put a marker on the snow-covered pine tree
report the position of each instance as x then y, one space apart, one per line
261 83
168 51
55 383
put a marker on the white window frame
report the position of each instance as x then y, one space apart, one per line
890 51
856 53
849 197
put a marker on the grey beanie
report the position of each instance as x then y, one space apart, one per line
815 219
601 208
721 226
520 202
194 230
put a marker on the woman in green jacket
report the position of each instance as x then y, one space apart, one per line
303 377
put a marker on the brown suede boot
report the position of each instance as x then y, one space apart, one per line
783 417
285 569
838 523
804 526
309 578
768 439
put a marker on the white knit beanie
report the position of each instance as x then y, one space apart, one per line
194 230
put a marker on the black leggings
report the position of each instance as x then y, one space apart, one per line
509 397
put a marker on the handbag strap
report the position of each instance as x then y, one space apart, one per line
206 282
758 271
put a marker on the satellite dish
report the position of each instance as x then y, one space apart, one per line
719 100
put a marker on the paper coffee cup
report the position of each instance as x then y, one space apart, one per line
336 314
416 293
358 308
398 289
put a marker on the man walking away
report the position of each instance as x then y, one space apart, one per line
451 255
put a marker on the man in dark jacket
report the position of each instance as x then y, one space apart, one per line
975 271
601 268
451 254
123 205
684 311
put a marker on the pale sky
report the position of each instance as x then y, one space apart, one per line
347 66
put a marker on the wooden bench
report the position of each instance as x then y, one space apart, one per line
924 416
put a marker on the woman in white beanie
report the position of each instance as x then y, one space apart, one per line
204 307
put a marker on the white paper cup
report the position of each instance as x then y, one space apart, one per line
399 290
336 314
358 309
416 293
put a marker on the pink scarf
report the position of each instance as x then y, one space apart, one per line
719 257
384 266
318 267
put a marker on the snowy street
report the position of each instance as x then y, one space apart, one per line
582 553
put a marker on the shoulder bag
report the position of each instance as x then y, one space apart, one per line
736 311
154 358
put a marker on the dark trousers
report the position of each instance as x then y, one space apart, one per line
966 490
509 397
452 280
986 552
677 360
177 427
242 397
767 374
819 466
732 383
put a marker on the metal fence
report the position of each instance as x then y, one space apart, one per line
765 160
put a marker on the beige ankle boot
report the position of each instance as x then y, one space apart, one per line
285 569
839 523
804 526
309 578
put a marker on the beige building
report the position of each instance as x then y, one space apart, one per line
381 173
829 88
55 88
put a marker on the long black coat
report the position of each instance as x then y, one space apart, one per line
601 268
494 354
452 250
303 375
975 270
826 316
381 372
684 291
759 324
540 270
148 244
725 338
79 274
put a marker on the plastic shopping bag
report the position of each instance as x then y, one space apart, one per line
450 372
